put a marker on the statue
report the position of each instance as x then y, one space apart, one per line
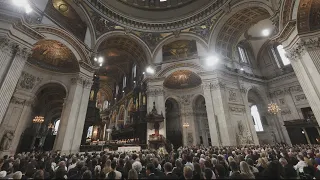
6 141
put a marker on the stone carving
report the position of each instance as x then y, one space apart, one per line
18 101
232 95
6 141
237 109
155 92
282 101
243 136
243 89
84 81
186 99
301 97
292 89
24 53
295 52
285 112
27 81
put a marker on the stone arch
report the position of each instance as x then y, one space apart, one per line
179 66
42 85
130 36
50 32
201 120
182 36
258 10
174 131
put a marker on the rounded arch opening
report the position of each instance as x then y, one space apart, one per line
201 122
173 123
48 107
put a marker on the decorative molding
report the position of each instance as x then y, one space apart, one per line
237 109
286 31
145 26
24 53
233 95
292 89
186 99
155 92
85 82
300 97
285 112
282 101
28 81
18 101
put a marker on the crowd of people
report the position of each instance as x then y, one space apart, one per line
247 162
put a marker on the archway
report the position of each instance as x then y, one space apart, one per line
201 122
173 123
48 106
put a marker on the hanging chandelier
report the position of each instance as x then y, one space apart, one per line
38 120
185 125
273 108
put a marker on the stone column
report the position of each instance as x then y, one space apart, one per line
11 78
214 133
73 114
7 48
304 54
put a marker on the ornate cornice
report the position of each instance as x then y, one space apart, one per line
291 89
83 81
286 31
24 53
146 26
155 92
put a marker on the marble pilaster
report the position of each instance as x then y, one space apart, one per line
11 79
214 132
73 115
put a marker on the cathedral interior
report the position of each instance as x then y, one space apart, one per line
77 75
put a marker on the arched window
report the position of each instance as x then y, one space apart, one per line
134 71
56 127
124 82
282 53
256 118
105 105
89 134
244 58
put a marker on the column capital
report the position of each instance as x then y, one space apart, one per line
82 80
7 45
296 51
155 92
23 52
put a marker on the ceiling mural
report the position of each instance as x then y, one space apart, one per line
235 26
62 13
55 56
178 50
126 45
182 79
308 15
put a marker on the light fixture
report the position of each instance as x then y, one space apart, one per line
100 59
273 108
266 32
23 3
123 91
302 132
185 125
134 81
38 120
241 69
211 60
143 72
95 59
150 70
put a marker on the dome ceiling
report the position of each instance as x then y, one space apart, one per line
55 56
182 79
156 16
156 4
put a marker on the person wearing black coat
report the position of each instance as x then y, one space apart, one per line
150 171
168 171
